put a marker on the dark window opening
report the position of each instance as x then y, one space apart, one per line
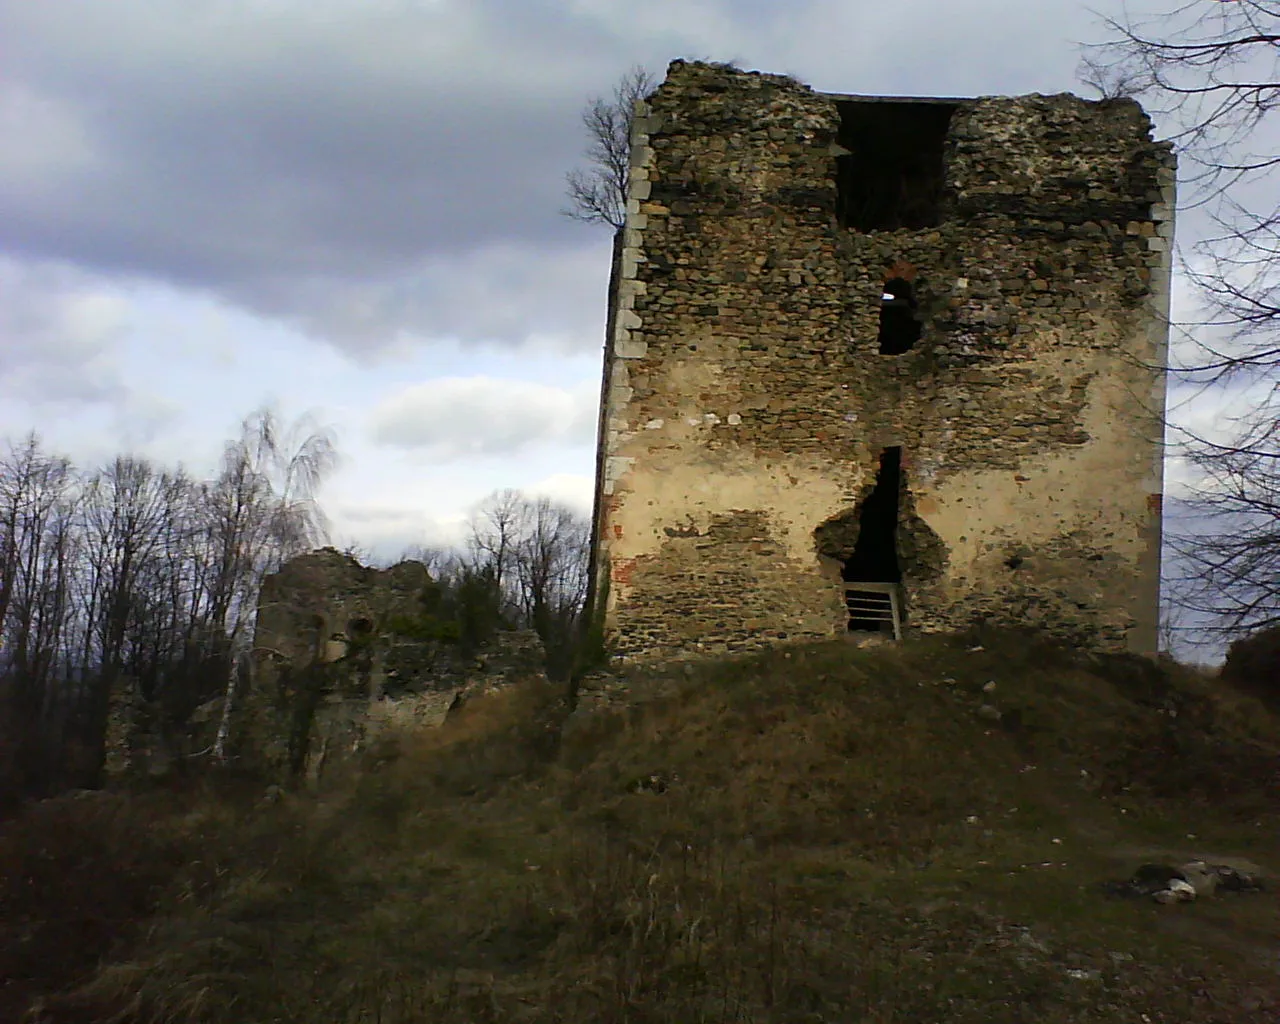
893 174
899 328
875 553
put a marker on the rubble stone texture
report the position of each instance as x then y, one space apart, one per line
334 662
967 297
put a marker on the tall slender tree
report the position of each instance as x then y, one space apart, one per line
264 511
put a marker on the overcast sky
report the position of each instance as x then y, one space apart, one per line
352 207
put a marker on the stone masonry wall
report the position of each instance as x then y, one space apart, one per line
747 403
336 661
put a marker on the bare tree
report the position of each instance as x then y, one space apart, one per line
37 507
264 512
21 473
496 525
551 562
440 562
137 578
535 553
1230 546
1211 71
598 193
124 519
1110 81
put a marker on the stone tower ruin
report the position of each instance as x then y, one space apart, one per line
873 358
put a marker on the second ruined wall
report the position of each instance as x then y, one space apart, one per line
746 403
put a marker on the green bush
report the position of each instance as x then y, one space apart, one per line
425 627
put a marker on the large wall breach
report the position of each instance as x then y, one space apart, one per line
935 325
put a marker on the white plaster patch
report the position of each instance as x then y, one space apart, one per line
614 468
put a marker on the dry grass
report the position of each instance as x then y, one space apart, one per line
818 834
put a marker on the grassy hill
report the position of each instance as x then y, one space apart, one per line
823 833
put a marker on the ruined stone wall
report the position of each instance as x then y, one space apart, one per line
335 662
747 403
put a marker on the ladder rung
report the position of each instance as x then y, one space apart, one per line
875 602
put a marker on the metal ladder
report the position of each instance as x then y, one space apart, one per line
875 602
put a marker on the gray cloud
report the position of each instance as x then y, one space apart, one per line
505 293
336 166
268 158
387 534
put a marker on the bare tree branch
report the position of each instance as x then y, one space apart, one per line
598 193
136 582
1212 70
535 551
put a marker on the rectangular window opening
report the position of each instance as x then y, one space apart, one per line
892 176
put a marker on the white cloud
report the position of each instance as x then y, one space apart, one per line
58 328
511 294
571 489
387 532
460 417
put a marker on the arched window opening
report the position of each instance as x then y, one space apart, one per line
899 328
